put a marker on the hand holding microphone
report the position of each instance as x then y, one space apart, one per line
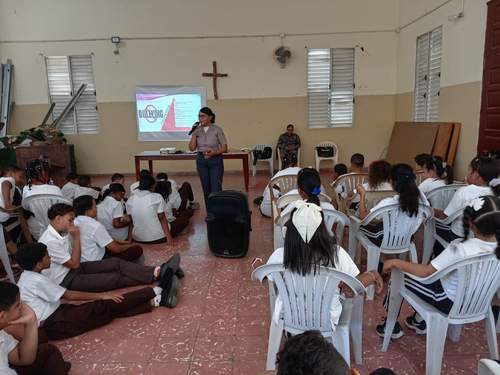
195 126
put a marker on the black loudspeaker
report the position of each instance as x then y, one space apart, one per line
228 224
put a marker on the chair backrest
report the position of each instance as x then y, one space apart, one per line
419 177
398 226
478 281
286 199
307 299
441 196
329 144
372 198
285 184
39 204
349 182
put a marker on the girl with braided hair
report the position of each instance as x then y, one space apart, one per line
38 182
482 218
436 172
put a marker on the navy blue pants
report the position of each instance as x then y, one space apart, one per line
211 172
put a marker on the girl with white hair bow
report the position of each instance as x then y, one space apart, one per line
308 246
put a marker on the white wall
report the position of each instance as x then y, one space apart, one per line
463 40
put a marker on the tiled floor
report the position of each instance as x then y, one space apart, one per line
220 325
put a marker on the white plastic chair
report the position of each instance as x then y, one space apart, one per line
38 205
488 367
269 160
438 198
285 184
334 158
349 181
280 163
288 198
478 280
4 256
398 230
306 306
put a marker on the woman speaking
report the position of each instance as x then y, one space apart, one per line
210 143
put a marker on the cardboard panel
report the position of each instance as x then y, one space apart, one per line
409 139
452 151
442 142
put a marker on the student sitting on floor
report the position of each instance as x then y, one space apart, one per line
379 176
147 210
95 241
69 188
84 188
135 185
435 171
38 183
178 220
12 176
116 178
357 163
483 179
309 246
482 217
67 270
111 213
264 201
25 355
63 320
182 198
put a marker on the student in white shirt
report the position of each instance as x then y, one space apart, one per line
483 179
95 241
67 270
38 183
111 213
176 211
63 320
12 176
116 178
408 197
147 210
482 217
135 185
84 188
379 176
436 172
309 246
340 169
69 188
264 202
26 356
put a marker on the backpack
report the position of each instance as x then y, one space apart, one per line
266 153
325 151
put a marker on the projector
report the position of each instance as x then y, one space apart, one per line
167 150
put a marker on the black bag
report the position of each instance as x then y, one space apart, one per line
325 151
228 224
266 153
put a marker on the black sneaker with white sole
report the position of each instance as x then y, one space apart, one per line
413 323
397 332
169 294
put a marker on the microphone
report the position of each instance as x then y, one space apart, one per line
195 126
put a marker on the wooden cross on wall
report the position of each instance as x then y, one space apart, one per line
214 76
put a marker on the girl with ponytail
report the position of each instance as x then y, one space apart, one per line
482 218
483 179
436 172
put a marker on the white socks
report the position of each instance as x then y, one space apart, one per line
157 299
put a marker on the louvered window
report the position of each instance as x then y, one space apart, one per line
428 75
330 87
65 75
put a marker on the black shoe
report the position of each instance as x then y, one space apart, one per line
397 332
169 293
67 366
418 326
173 264
180 273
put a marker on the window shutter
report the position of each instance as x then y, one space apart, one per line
428 75
342 95
436 38
318 87
86 107
421 78
60 90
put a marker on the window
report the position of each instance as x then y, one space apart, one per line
65 75
330 87
428 75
